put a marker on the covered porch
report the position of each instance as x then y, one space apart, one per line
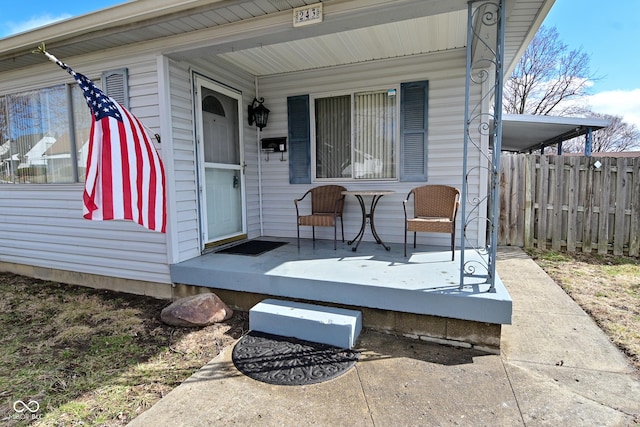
417 296
414 54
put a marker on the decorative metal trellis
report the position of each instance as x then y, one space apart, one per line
485 54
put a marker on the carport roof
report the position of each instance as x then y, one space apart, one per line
522 133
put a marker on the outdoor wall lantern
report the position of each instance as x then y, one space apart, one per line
258 113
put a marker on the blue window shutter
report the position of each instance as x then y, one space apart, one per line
414 131
299 139
115 84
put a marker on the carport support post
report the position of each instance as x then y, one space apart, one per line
489 13
588 142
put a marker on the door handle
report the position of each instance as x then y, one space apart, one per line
236 181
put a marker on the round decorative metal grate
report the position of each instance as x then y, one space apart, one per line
289 361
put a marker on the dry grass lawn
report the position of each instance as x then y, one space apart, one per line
93 357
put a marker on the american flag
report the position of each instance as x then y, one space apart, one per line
124 175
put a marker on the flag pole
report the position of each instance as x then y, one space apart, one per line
43 50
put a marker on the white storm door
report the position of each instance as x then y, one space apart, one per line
222 207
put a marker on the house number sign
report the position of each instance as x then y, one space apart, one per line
306 15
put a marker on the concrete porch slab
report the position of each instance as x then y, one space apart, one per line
424 283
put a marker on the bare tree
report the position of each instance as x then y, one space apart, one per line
618 136
547 75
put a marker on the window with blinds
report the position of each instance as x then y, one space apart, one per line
44 135
356 135
38 133
333 137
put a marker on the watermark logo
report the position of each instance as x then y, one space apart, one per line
26 411
19 406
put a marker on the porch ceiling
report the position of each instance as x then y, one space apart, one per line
395 39
262 40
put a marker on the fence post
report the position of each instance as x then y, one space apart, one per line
557 206
505 187
542 198
587 220
619 237
573 202
516 201
634 204
603 217
529 184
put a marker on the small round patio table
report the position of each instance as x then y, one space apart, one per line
376 196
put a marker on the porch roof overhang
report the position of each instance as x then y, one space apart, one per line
522 133
258 34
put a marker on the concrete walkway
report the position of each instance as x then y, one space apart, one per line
557 368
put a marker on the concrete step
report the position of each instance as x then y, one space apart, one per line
326 325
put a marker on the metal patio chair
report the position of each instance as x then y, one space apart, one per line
434 211
327 203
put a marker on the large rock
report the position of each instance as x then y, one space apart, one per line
197 310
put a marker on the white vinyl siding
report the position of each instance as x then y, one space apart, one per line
184 163
42 225
445 73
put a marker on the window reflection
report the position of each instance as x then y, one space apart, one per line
39 143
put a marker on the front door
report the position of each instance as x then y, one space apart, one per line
222 212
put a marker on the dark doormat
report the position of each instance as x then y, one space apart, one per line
252 247
278 360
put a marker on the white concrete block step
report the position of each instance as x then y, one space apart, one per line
326 325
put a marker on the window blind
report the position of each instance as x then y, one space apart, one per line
374 135
333 137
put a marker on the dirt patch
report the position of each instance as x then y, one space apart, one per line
93 357
606 287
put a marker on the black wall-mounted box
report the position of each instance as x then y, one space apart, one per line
274 145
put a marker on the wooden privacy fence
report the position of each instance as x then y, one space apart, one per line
573 203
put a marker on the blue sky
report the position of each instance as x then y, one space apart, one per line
608 33
17 16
